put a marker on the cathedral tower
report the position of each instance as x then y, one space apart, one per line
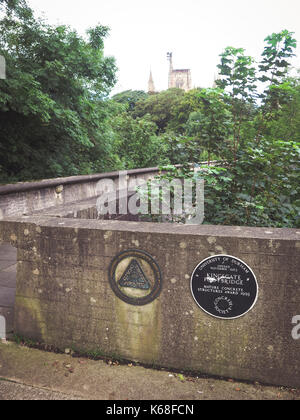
181 79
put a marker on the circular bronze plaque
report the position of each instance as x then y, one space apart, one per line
135 277
224 287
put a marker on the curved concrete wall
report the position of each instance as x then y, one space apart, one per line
26 198
64 297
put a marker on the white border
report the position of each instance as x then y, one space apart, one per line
219 317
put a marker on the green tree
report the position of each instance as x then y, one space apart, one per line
276 57
53 112
159 107
130 97
258 183
285 121
238 78
191 101
274 68
136 144
210 126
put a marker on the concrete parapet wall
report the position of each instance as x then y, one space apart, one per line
64 297
29 197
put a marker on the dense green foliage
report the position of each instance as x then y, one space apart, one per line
53 115
56 119
135 142
255 135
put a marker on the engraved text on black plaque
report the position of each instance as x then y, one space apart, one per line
224 287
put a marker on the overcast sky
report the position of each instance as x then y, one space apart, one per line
196 31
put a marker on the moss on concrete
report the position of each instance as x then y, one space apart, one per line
29 318
142 330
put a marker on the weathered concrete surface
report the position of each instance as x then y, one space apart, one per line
8 274
28 197
12 391
51 376
64 297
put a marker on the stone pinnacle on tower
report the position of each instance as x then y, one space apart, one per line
151 87
170 59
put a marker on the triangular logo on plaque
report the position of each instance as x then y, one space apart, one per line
134 277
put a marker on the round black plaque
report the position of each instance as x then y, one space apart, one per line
224 287
135 277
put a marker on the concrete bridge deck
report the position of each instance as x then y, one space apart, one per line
8 272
